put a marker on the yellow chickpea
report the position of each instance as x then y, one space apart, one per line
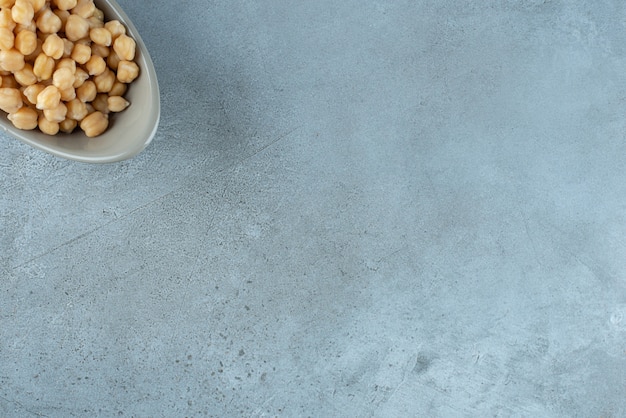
56 114
48 22
94 124
113 60
81 53
76 27
31 92
64 4
10 99
26 42
43 66
84 8
76 109
116 28
49 98
100 50
22 12
53 46
11 60
104 82
100 103
63 78
7 39
24 118
48 127
124 46
95 22
127 71
96 65
100 36
87 91
26 76
6 19
118 89
68 126
68 94
117 103
67 63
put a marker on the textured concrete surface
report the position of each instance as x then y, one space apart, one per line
351 209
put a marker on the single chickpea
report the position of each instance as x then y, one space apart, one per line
48 127
81 53
113 60
117 103
118 89
63 78
100 50
25 118
87 91
104 82
11 60
31 92
96 65
84 8
116 28
64 4
56 114
22 12
49 98
67 63
53 46
95 22
76 27
26 76
100 103
48 22
43 66
26 42
10 99
6 19
68 126
124 46
127 71
76 109
7 39
100 36
94 124
68 94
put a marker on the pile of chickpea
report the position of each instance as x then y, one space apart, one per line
62 65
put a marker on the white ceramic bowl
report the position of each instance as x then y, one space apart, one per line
129 131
